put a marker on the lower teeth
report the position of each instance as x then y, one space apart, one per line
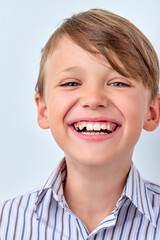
94 133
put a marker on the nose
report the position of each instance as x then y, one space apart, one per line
94 98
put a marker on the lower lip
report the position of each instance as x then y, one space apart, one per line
100 137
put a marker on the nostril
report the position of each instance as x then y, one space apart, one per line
100 105
94 101
93 106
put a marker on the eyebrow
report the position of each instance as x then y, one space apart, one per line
70 69
78 69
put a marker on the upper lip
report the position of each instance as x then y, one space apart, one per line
94 119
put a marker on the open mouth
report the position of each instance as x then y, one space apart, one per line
95 128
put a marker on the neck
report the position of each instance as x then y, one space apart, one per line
88 185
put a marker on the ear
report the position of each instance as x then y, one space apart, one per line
42 112
153 115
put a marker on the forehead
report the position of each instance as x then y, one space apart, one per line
69 56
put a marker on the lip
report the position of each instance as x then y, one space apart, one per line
94 119
94 137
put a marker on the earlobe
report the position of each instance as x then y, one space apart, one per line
42 112
153 116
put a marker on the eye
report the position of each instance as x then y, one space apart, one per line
119 84
70 84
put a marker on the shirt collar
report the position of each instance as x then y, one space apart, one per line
135 190
54 183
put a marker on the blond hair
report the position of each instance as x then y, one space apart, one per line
108 33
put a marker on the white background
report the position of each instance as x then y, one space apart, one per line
28 154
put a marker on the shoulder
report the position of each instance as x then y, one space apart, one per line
21 201
14 211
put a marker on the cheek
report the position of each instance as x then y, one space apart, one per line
134 114
56 119
133 111
58 106
133 107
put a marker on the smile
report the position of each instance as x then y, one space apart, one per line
95 128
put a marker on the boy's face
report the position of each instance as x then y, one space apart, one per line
84 91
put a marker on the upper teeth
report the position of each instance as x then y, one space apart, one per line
93 126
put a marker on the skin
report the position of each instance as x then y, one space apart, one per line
80 86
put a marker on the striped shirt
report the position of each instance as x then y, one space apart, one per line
45 215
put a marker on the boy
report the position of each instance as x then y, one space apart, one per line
97 89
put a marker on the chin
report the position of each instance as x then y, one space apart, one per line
93 161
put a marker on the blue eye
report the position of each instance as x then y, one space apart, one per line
119 84
70 84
